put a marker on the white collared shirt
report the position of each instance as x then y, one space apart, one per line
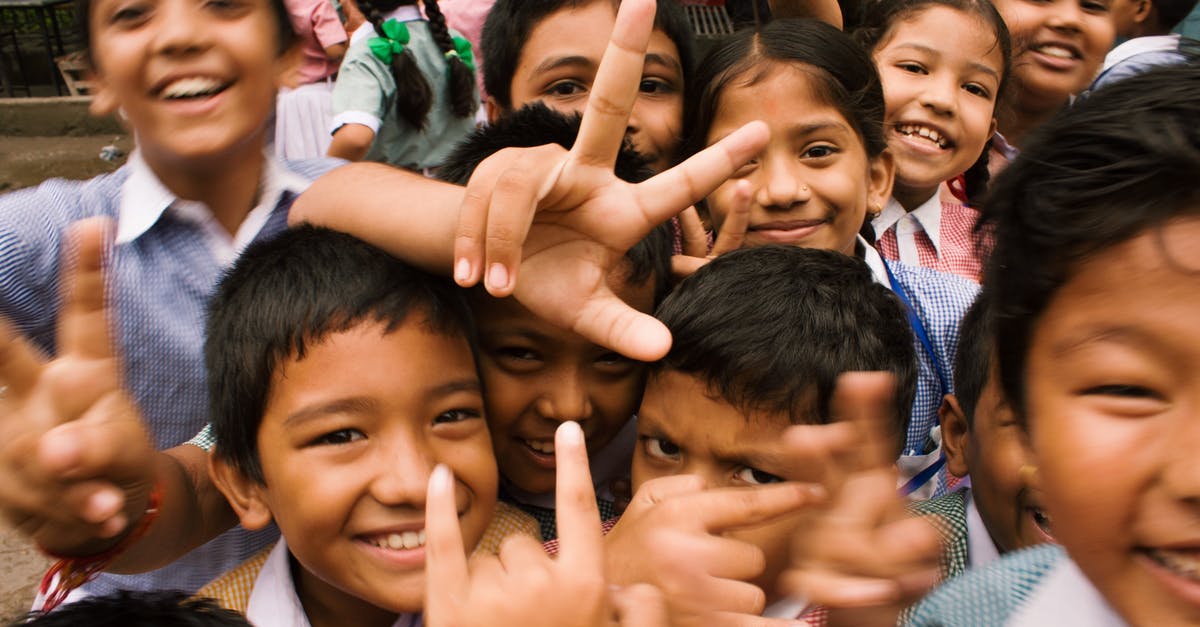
874 261
981 549
144 201
1141 45
927 217
1065 598
274 602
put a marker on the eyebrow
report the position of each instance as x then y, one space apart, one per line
554 63
1112 334
662 59
974 65
803 130
358 404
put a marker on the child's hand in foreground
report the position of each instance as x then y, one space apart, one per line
695 238
524 586
862 556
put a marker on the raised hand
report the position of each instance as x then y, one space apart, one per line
695 239
523 585
75 461
863 550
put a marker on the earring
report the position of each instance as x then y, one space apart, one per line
874 212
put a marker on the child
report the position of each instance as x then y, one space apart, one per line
538 375
306 339
196 83
825 168
1095 291
138 609
549 50
718 404
1144 27
943 65
1058 46
405 94
304 107
1000 511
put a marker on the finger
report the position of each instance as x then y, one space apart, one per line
83 325
96 503
107 442
866 400
446 573
733 229
514 200
523 556
730 508
469 242
695 237
812 452
834 589
608 321
640 605
666 194
580 541
684 266
20 363
733 619
615 87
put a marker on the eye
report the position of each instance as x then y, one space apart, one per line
1123 391
746 169
978 90
614 364
456 415
130 14
819 151
566 88
340 436
660 448
912 68
654 86
1098 8
755 476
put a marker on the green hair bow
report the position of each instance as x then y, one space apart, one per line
395 37
462 50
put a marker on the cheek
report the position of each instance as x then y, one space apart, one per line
718 202
505 399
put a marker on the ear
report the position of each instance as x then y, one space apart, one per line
1142 11
881 172
955 432
104 101
245 495
992 128
493 109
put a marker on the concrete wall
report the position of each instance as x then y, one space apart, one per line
52 117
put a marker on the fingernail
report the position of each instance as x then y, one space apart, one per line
462 270
497 276
442 479
570 432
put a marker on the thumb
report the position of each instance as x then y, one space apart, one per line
608 321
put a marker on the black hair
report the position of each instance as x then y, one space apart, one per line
128 608
973 361
536 124
283 25
877 23
771 328
286 293
414 94
1172 12
1100 173
845 76
509 23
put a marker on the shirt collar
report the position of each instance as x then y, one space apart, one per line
274 603
928 216
871 256
406 13
1140 45
144 200
980 547
1066 597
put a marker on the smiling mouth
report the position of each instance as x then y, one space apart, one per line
192 88
398 541
924 132
545 447
1185 563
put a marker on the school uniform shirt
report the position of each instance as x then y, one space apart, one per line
365 94
317 27
1033 587
939 234
165 262
939 301
1139 55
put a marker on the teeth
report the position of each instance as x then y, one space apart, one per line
1185 563
406 540
541 446
191 87
922 131
1057 52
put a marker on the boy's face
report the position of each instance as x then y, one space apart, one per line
1113 393
992 453
539 375
559 61
349 437
683 429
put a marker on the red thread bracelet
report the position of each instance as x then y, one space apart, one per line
69 573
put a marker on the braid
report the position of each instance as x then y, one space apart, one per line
976 178
462 79
413 96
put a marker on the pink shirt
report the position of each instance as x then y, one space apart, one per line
317 27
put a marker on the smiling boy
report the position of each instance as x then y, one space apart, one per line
340 378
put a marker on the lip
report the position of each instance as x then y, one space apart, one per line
788 231
190 107
1182 587
1054 62
539 459
404 558
920 144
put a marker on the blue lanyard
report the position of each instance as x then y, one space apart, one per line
918 327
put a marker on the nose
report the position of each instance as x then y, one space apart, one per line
180 28
565 397
401 465
939 95
780 186
1182 463
1066 17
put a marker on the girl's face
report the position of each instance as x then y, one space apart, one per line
1058 45
1113 393
941 71
196 79
813 183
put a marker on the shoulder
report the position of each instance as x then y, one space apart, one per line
947 514
952 505
989 595
935 294
62 201
232 590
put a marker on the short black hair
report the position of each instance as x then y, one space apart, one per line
1098 174
1172 12
288 292
509 23
771 328
128 608
536 124
973 361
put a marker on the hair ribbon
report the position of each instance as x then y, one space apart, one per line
395 37
462 50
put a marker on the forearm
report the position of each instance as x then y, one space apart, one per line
192 511
410 216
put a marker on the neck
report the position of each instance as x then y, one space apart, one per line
1024 116
227 184
912 197
327 606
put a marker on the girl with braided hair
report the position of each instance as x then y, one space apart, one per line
406 92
